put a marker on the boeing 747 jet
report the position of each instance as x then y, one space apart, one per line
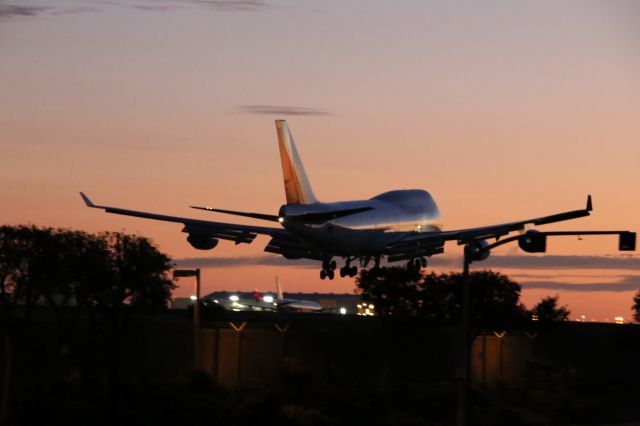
401 225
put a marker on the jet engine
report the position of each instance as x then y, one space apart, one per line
479 250
533 242
202 242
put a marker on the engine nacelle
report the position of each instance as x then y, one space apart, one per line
479 250
533 242
202 242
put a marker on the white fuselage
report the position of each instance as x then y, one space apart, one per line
391 215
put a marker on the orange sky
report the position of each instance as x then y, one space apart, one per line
501 110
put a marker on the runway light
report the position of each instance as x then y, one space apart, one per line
343 311
268 298
234 298
619 320
193 297
534 317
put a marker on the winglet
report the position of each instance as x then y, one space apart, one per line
589 204
86 199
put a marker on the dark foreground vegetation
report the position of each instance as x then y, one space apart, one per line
87 339
549 394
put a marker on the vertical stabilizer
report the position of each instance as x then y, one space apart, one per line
279 290
296 184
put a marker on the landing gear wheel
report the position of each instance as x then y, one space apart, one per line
423 262
353 271
332 265
330 274
343 272
323 274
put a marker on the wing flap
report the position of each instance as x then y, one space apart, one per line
292 248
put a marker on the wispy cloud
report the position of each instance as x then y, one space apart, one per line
233 5
219 5
281 110
629 283
19 11
11 11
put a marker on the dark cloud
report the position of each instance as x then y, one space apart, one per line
515 262
629 283
230 262
563 262
10 11
281 110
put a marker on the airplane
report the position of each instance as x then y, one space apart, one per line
399 225
297 305
267 301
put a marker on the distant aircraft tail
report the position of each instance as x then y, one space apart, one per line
296 184
279 290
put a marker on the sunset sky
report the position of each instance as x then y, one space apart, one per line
502 110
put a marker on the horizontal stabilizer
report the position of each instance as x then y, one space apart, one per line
260 216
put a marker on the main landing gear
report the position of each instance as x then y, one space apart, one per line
349 270
416 264
328 266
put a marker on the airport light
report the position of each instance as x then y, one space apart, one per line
234 298
343 311
193 297
268 298
619 320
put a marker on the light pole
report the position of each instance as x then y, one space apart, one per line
181 273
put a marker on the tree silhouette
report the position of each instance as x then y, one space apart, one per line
548 310
636 307
114 277
393 291
495 299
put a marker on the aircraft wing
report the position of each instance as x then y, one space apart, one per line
417 244
218 230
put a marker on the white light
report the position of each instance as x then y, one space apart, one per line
193 297
281 219
268 298
343 311
370 306
215 301
234 298
619 320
